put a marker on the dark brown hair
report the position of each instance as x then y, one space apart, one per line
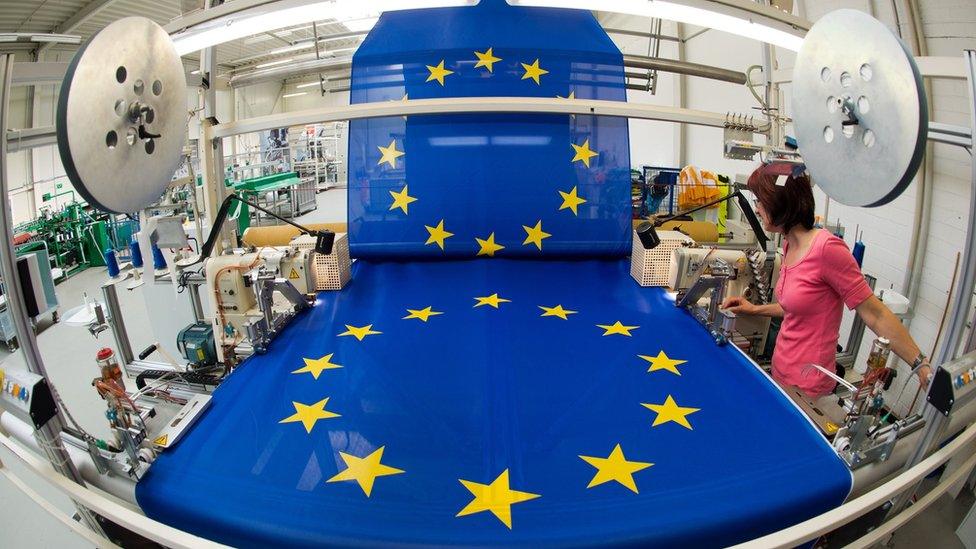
787 205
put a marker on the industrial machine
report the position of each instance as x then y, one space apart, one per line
704 277
255 294
262 469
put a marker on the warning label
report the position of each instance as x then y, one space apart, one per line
161 440
294 274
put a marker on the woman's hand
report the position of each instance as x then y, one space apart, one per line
740 306
924 373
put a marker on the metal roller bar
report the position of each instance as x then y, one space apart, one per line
951 134
29 138
684 67
642 34
38 73
291 70
532 105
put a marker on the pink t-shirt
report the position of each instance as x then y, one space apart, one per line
811 293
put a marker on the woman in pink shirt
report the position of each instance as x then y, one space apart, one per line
817 278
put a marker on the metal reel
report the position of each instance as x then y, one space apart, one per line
859 109
121 117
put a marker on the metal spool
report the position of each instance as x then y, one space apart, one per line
121 117
860 112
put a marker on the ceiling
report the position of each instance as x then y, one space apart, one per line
85 17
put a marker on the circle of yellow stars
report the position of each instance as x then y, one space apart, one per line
437 234
496 497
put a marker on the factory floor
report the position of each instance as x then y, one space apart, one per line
69 355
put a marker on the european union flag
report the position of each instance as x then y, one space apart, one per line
500 185
488 400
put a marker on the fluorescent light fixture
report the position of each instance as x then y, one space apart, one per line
296 94
195 71
273 63
307 85
365 24
681 13
8 37
290 13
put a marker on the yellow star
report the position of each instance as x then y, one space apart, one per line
535 235
663 362
315 366
486 59
583 152
422 314
438 234
364 470
492 300
615 467
572 95
616 328
557 311
670 411
308 414
438 73
496 497
360 333
390 154
533 71
401 200
489 247
571 200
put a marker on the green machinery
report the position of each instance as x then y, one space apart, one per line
74 235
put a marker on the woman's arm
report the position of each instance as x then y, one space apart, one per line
884 323
742 306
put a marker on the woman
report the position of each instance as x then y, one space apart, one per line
818 276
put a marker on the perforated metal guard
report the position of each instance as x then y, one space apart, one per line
850 57
129 64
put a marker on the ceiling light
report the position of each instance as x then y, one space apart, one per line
296 94
365 24
307 85
265 18
682 13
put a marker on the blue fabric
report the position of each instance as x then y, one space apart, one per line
488 173
475 391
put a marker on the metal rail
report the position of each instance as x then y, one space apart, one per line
831 520
527 105
124 516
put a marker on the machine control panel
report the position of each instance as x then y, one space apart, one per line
26 396
954 384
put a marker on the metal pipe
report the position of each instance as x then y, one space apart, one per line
684 67
533 105
821 524
643 34
115 321
120 487
50 432
964 292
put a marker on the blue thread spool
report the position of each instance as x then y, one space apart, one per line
136 253
858 252
159 262
111 262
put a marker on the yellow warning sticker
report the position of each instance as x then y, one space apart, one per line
161 440
831 427
294 274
